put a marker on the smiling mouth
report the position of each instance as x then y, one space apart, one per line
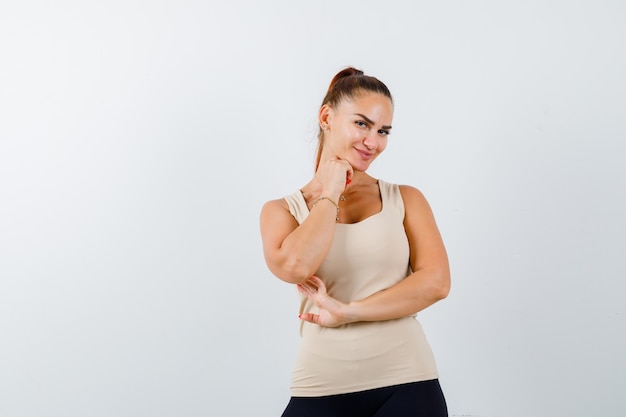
364 154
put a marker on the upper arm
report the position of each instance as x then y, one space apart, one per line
427 250
276 224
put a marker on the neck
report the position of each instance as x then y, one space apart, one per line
314 187
359 178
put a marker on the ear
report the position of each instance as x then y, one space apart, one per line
325 115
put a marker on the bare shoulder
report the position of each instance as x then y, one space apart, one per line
274 209
276 217
276 224
279 203
427 248
414 199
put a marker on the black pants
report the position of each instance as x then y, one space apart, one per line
415 399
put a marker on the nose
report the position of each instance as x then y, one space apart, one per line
370 141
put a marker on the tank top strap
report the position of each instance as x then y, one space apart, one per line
297 206
391 197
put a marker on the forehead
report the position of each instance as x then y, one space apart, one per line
374 105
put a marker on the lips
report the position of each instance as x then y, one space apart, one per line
364 154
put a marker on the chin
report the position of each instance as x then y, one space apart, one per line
361 167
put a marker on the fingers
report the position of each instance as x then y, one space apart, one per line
315 290
307 288
312 286
335 174
304 290
317 281
311 318
329 310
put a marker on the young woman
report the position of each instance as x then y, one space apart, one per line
366 256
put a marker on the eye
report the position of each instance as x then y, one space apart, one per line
384 132
360 123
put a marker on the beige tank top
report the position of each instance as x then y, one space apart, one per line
364 258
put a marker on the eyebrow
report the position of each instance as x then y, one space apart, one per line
368 120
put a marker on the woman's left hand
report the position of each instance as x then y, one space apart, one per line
332 313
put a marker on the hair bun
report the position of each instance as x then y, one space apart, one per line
346 72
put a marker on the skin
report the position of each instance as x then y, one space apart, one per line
356 134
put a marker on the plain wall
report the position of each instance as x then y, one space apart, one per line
139 140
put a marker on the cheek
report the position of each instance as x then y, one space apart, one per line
354 133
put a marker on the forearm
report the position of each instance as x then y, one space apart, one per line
411 295
306 247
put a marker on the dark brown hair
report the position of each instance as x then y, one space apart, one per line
348 84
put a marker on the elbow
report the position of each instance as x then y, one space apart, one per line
293 278
441 286
443 292
292 271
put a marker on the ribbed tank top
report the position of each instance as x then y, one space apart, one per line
364 258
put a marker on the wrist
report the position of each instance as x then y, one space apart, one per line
352 312
332 194
330 201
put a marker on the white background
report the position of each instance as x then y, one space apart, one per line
139 140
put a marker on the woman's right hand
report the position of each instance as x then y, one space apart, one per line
334 175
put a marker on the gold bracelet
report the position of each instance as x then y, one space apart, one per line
317 200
